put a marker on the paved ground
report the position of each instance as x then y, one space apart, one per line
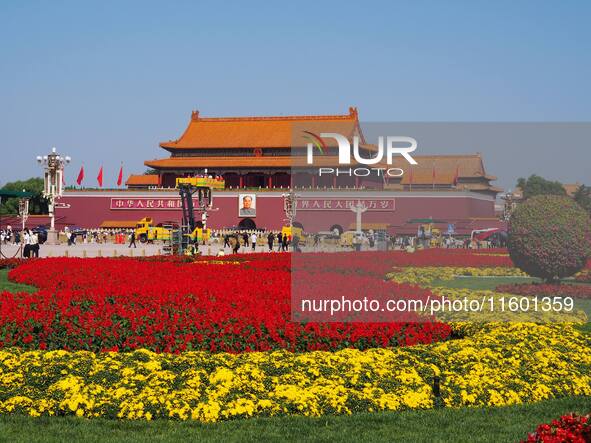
116 250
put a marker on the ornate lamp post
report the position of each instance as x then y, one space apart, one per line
289 206
23 210
509 205
53 165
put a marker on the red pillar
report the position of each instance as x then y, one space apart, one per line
241 181
313 181
356 181
334 181
270 181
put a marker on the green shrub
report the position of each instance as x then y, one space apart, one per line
549 237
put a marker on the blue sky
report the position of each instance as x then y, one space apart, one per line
106 81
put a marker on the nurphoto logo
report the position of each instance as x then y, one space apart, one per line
387 146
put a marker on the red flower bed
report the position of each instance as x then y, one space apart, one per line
10 263
170 306
567 429
544 290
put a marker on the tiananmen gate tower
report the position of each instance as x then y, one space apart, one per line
258 158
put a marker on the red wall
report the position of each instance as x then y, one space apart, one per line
90 209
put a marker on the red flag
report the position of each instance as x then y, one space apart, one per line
80 175
99 177
457 176
120 179
433 175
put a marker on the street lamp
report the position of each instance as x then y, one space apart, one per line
53 165
23 210
509 205
289 206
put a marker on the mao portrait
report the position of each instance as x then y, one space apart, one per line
247 206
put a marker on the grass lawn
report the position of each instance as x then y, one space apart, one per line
7 285
507 424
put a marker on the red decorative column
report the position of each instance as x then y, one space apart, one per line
356 181
241 181
313 181
270 181
334 181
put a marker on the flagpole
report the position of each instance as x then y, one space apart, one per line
433 175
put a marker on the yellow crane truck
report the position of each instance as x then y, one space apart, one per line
145 231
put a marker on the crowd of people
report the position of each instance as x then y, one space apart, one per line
236 241
28 239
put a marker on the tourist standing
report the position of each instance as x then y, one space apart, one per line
270 240
245 238
253 241
35 245
284 242
296 244
26 243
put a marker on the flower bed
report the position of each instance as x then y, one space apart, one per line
562 290
567 429
125 304
10 263
427 274
99 303
498 365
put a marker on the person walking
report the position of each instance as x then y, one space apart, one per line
253 241
316 240
284 243
132 240
296 244
226 240
234 244
270 241
245 238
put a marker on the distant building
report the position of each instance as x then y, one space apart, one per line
262 157
253 152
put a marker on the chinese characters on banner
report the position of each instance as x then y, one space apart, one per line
147 203
302 204
340 204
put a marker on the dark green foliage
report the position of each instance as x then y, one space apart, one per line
37 204
549 237
536 185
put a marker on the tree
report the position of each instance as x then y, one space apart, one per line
37 204
549 237
583 197
151 172
536 185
